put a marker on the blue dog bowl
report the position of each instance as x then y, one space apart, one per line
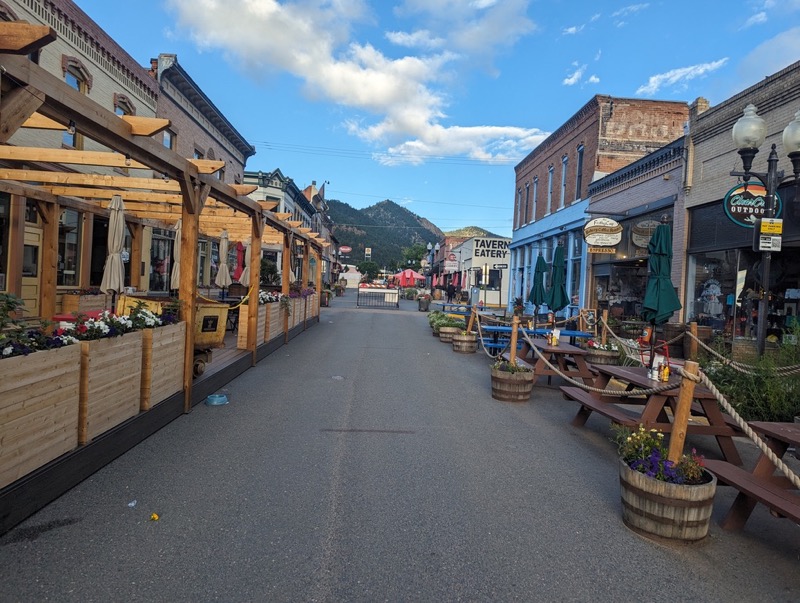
217 399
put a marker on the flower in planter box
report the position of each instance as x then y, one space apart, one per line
107 325
645 451
594 344
268 297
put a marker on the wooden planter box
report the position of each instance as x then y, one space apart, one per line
162 363
244 311
297 312
512 387
38 410
110 384
274 322
595 356
72 303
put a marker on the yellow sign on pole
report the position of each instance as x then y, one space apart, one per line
772 226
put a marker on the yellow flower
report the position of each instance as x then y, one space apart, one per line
154 517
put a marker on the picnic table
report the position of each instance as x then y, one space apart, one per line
569 360
706 418
762 484
453 308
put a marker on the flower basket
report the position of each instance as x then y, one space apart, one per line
244 311
446 333
512 387
162 363
110 383
656 508
38 410
595 356
465 343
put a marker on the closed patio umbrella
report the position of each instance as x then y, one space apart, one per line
175 276
244 277
114 272
557 298
223 278
538 295
660 299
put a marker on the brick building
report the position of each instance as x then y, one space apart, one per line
551 189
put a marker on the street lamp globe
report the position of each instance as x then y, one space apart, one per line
750 130
791 136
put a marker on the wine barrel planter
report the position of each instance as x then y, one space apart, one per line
671 331
512 387
595 356
465 343
659 509
446 333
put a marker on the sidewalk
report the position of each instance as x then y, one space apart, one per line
366 461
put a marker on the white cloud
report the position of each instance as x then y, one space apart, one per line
756 19
593 79
678 76
770 56
570 31
595 17
394 102
419 39
575 77
630 9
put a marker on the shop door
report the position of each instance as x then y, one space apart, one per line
31 270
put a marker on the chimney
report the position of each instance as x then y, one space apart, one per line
154 68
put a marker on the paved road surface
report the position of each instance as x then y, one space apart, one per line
365 461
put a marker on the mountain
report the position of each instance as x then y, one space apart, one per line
386 228
472 231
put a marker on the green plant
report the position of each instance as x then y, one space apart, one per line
646 452
502 365
286 304
269 274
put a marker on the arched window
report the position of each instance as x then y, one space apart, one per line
77 76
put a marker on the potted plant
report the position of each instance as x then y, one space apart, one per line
661 498
424 302
511 382
449 327
465 342
519 306
598 352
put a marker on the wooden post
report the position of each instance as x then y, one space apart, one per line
693 341
680 421
286 269
514 328
471 322
605 322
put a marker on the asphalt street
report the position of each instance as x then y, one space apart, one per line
366 461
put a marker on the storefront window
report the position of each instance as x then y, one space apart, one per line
201 263
5 211
160 261
69 239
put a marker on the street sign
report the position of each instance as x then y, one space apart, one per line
499 266
769 243
771 226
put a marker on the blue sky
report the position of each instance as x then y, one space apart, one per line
431 103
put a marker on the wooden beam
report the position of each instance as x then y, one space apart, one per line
268 205
244 189
207 166
283 215
69 156
17 105
80 178
18 37
99 193
303 230
145 126
40 122
294 223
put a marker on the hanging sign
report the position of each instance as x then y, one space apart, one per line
642 231
345 249
746 202
601 250
602 232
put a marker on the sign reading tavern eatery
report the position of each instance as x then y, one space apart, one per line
746 203
602 232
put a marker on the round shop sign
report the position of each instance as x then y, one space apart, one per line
642 231
746 203
602 232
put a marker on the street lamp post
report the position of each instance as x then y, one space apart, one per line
749 133
432 250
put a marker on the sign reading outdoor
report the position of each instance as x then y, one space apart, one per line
602 232
746 202
345 249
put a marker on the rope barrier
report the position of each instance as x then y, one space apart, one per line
216 301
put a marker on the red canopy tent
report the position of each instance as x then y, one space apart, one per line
408 277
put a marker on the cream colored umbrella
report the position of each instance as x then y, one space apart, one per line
175 277
244 277
114 272
223 278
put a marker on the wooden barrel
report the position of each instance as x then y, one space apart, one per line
512 387
465 344
654 508
446 333
595 356
704 334
671 331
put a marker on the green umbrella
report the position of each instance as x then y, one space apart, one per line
557 298
660 299
537 295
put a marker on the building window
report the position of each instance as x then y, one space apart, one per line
123 105
564 162
78 77
550 172
198 154
535 197
519 207
527 200
579 173
69 248
168 139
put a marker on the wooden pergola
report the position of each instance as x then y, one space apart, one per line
185 189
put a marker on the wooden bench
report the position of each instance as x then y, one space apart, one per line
765 490
590 403
729 420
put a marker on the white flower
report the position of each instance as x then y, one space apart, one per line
7 351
